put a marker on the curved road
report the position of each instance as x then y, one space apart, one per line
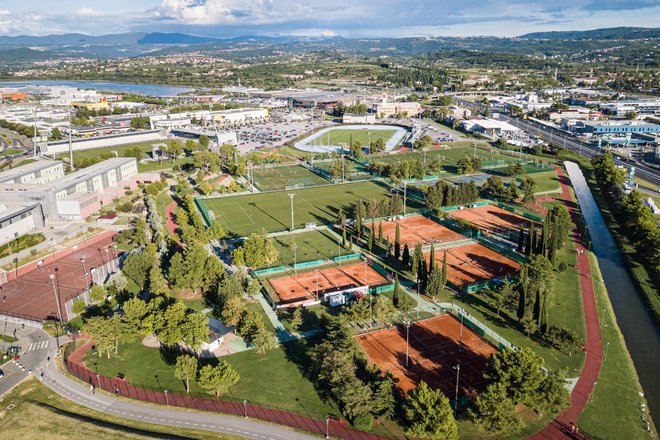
43 361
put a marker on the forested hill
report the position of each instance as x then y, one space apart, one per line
617 33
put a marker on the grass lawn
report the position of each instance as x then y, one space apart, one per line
24 162
39 413
545 181
241 215
162 200
614 412
565 310
313 245
165 165
274 378
337 136
6 338
11 151
280 177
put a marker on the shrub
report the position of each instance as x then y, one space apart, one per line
363 421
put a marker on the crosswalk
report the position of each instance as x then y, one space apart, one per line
37 345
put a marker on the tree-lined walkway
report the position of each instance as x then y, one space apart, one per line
561 426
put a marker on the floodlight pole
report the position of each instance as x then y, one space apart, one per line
82 260
59 310
316 275
292 195
460 338
458 375
405 195
406 323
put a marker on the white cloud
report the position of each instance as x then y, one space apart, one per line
86 11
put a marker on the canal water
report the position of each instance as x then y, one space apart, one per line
632 312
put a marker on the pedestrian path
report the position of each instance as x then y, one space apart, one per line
283 335
562 426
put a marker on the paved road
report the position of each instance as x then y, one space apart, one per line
36 359
565 140
35 344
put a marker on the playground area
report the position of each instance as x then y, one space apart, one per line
270 178
492 219
435 346
296 288
419 229
474 263
32 294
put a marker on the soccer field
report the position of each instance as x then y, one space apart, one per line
449 156
280 177
241 215
342 136
309 246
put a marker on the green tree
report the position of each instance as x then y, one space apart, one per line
383 309
263 339
78 307
134 311
465 165
397 242
186 369
203 142
157 282
169 324
233 311
528 186
97 293
195 330
296 319
137 266
55 134
217 380
428 414
494 411
552 396
106 333
434 285
257 250
519 371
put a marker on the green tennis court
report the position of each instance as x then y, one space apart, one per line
241 215
274 178
347 136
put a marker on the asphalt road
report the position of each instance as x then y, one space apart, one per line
35 346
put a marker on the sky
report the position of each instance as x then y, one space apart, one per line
348 18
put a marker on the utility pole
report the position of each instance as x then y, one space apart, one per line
71 167
458 375
406 323
292 195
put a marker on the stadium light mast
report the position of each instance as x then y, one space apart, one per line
405 193
71 166
458 375
292 195
406 324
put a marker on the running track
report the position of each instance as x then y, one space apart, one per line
560 427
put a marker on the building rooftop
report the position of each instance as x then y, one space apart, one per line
33 167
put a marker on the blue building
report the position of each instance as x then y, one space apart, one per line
618 127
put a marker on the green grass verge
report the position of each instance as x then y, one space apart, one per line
313 245
39 413
24 162
280 177
241 215
11 151
20 243
614 411
274 378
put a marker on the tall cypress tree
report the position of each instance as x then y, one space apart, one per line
444 269
521 240
531 242
414 264
395 294
380 232
522 293
432 257
344 242
397 243
370 240
405 257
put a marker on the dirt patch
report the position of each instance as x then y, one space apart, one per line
188 294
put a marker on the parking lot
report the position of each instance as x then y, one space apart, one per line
274 133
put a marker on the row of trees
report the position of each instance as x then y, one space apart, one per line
445 194
494 188
468 164
215 379
407 168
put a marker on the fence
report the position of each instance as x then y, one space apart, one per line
520 212
121 387
270 270
476 325
17 318
346 257
204 211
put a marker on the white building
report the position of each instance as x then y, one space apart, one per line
19 219
76 195
489 127
40 172
240 116
351 118
112 140
386 109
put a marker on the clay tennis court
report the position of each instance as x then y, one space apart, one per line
420 229
473 263
433 351
31 295
303 286
491 218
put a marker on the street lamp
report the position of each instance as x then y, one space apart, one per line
98 380
606 347
59 310
52 250
406 324
292 195
327 427
458 375
167 402
245 408
460 338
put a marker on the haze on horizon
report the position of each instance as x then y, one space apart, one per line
348 18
